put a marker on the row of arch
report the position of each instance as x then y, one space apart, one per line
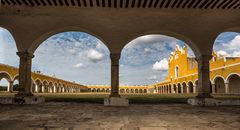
218 85
122 90
38 86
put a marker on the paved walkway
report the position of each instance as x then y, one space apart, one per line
75 116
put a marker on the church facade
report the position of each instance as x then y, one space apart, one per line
183 77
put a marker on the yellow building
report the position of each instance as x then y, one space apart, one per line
182 74
40 82
123 89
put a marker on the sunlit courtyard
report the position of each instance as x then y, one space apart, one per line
119 65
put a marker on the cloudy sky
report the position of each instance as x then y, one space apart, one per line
82 58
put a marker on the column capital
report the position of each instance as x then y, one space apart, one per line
203 58
25 54
115 56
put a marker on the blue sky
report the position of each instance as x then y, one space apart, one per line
82 58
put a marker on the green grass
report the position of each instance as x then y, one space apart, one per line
133 98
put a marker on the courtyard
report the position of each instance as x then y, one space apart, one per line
146 112
93 116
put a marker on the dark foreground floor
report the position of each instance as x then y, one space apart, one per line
79 116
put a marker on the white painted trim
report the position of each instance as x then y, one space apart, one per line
217 76
38 80
227 79
190 81
9 76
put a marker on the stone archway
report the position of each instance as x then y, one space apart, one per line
5 80
190 87
179 88
219 85
234 83
184 85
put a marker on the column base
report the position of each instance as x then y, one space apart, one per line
213 102
22 100
116 101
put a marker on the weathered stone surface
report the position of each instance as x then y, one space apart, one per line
22 100
213 102
116 101
77 116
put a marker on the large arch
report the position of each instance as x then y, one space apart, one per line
38 85
5 75
145 39
45 86
5 79
219 85
179 88
190 87
234 31
72 31
47 34
4 85
173 34
184 85
234 83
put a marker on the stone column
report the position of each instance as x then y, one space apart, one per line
213 88
203 76
172 89
169 89
114 74
43 88
194 88
187 89
10 86
176 90
181 89
25 74
226 87
54 89
36 88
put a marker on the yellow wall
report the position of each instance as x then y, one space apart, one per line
13 73
219 67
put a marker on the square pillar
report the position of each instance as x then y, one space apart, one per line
187 89
194 88
204 76
213 88
114 74
36 88
226 87
182 89
10 86
25 81
114 99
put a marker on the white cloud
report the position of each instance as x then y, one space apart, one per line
79 65
222 53
233 44
94 55
236 54
154 77
161 65
146 50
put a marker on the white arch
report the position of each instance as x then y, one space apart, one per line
37 79
213 81
9 76
50 32
227 79
190 81
45 81
195 82
168 33
15 77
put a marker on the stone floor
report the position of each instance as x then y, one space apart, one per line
75 116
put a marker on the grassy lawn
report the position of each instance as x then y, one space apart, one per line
133 98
